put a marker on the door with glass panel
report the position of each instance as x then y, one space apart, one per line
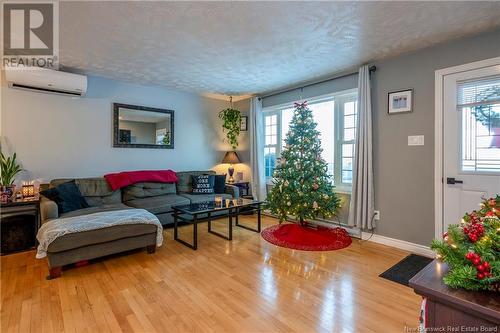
471 140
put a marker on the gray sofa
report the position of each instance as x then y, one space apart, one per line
157 198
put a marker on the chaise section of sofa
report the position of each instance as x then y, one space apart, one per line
86 245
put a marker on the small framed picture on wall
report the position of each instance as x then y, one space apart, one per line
400 101
244 123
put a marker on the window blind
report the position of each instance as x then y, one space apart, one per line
479 92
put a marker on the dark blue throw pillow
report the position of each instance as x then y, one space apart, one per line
220 184
203 184
67 196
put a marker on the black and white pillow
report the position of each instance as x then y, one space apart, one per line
203 184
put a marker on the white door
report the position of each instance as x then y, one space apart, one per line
471 140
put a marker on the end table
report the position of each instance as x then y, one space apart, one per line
243 186
20 221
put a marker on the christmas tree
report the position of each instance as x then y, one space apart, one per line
472 249
302 188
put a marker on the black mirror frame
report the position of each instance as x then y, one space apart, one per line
116 142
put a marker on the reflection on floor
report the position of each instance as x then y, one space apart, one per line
245 285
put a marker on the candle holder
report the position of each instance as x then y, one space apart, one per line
28 190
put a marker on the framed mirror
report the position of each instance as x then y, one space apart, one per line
142 127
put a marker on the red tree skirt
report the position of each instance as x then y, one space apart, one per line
295 236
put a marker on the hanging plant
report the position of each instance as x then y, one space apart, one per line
231 123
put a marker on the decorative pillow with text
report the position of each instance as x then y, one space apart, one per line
203 184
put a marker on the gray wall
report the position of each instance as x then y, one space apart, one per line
404 176
58 136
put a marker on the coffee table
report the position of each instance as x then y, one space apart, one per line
211 210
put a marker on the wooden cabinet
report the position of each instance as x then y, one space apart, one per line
19 224
455 310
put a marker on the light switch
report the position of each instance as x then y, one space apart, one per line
415 140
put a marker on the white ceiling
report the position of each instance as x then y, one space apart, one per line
239 48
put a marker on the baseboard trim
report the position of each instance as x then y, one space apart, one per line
400 244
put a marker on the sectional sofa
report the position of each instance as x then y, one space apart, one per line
157 198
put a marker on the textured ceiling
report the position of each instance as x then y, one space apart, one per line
252 47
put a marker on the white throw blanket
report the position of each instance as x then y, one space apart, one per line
56 228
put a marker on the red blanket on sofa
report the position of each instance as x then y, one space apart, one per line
126 178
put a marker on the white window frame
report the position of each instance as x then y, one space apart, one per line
340 98
277 146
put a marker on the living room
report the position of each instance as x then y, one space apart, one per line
250 166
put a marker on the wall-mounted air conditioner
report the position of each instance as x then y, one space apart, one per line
47 81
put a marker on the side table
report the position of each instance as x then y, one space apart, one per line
20 221
243 186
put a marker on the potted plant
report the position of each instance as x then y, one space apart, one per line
9 169
231 124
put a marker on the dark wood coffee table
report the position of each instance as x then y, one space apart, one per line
211 210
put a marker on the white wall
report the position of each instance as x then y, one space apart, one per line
58 136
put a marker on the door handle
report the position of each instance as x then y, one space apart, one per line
453 181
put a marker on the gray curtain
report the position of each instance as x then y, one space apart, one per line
362 198
257 149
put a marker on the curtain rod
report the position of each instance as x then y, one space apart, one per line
372 68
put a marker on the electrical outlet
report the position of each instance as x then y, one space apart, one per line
377 215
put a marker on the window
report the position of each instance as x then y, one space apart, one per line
348 139
336 117
479 102
270 143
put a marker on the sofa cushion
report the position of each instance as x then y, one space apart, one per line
184 184
67 196
95 209
96 191
159 204
220 184
85 238
145 190
197 198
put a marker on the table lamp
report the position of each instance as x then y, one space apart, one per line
231 158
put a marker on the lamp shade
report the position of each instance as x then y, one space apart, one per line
231 158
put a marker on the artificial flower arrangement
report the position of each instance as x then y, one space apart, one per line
472 249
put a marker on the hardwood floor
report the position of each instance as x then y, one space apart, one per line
246 285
